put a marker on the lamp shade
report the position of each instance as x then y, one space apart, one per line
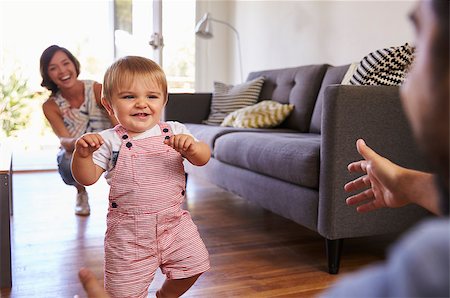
203 28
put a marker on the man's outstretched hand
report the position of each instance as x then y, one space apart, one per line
382 184
91 284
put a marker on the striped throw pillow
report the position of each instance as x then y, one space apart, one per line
229 98
266 114
384 67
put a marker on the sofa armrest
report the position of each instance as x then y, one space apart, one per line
187 107
375 114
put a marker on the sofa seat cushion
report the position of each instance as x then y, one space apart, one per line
291 157
209 133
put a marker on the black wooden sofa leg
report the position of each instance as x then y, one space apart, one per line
334 248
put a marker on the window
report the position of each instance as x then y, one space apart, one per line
179 49
89 30
134 28
25 32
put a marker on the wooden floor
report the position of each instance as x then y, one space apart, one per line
254 253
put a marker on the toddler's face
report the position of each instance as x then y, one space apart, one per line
138 107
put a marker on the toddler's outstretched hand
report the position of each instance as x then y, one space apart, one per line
196 152
87 144
185 144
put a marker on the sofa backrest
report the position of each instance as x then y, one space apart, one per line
298 86
333 75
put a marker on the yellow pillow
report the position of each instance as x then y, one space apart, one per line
265 114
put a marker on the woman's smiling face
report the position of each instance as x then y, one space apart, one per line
61 70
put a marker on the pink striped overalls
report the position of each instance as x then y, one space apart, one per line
146 227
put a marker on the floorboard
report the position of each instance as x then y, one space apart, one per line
254 253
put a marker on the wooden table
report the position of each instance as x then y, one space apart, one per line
5 213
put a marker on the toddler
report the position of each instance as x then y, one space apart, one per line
143 161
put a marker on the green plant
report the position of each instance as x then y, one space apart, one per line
15 108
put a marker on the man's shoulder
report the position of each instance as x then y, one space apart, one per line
429 231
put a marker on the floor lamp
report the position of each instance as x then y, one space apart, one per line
203 29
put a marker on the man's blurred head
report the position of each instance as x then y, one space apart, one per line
425 94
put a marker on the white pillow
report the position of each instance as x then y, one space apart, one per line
349 74
229 98
265 114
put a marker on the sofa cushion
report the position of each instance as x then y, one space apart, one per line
209 133
291 157
387 66
298 86
334 75
229 98
265 114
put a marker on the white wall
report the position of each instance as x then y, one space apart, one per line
277 34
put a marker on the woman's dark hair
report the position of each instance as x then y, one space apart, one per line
46 57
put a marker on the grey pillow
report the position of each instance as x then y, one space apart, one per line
229 98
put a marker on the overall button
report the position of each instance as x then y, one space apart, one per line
183 192
124 137
165 130
167 137
114 205
128 145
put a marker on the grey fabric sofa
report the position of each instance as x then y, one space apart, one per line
298 170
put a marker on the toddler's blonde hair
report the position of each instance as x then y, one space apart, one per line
126 69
